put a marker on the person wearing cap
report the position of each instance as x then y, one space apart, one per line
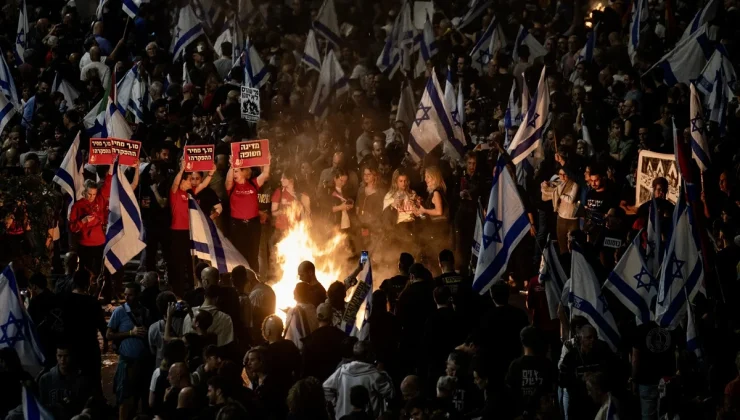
322 349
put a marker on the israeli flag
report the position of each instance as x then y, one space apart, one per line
633 283
311 57
131 7
226 36
360 328
7 111
426 43
526 98
654 245
490 42
332 84
124 89
587 300
587 52
65 88
21 37
552 277
207 12
536 50
703 16
718 100
639 17
505 225
32 408
699 143
512 115
692 338
452 105
115 124
256 73
432 123
124 238
478 234
140 100
529 135
7 83
326 23
406 105
69 175
187 30
718 60
398 45
209 244
682 268
687 59
611 409
16 327
94 123
475 8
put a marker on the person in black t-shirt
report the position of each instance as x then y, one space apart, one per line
155 214
530 375
598 201
394 285
307 274
653 357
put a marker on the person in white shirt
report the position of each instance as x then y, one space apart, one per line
96 63
222 325
301 319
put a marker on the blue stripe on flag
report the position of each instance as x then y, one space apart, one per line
680 299
696 148
113 260
596 316
32 408
627 291
327 33
186 37
441 114
521 223
312 61
129 5
114 229
416 147
526 144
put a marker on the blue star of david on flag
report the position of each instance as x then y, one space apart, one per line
8 339
492 221
484 56
650 282
21 39
678 265
424 116
454 114
695 124
533 121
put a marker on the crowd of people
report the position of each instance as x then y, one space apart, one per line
193 343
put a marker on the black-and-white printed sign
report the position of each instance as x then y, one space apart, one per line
250 104
652 165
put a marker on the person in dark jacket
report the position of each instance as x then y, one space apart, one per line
415 304
322 349
442 333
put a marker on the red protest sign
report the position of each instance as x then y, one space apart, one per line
127 151
247 154
100 152
199 157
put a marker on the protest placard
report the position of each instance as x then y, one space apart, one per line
127 151
247 154
198 157
100 152
250 104
651 165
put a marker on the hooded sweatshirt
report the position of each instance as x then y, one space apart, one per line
337 387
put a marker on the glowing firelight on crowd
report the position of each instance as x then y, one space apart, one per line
597 7
298 246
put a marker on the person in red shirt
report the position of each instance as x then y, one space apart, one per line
283 199
245 222
87 220
180 265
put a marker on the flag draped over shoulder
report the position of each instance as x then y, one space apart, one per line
505 225
16 327
209 244
124 238
587 300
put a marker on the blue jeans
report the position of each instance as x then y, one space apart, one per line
564 400
648 401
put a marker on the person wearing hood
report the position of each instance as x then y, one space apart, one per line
360 372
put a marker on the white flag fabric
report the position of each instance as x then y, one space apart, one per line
611 409
256 73
552 277
187 30
94 121
587 300
65 88
718 60
654 245
687 59
406 105
432 123
639 16
209 244
506 223
529 135
692 338
140 99
131 7
512 115
69 175
115 123
718 99
682 273
536 49
7 83
208 12
699 143
326 23
398 45
475 8
587 52
451 104
124 238
478 234
426 43
632 282
32 408
332 84
359 328
705 15
491 41
21 38
311 56
124 89
7 111
18 331
226 36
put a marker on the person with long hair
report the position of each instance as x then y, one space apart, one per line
399 205
436 211
340 205
246 229
369 205
288 204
